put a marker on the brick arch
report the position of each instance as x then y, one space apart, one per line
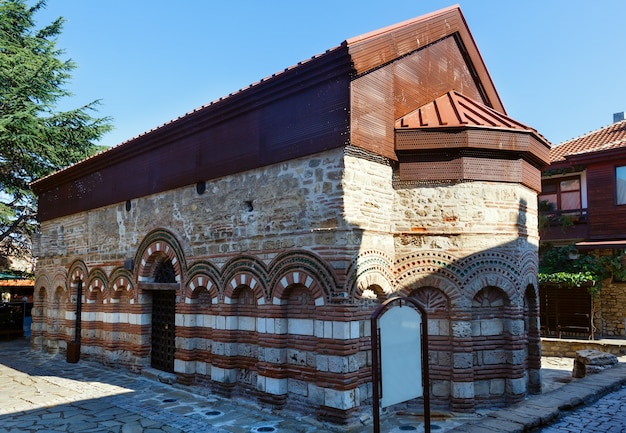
494 277
121 278
373 279
59 281
293 278
97 281
529 268
434 269
490 297
370 268
197 296
245 279
42 282
431 298
155 248
203 274
305 268
246 271
439 267
199 280
77 272
492 269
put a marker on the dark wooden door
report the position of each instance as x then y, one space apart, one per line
163 330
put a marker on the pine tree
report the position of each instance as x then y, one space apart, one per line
35 138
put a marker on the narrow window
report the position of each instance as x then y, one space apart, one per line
620 185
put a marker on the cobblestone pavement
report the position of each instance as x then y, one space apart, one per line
607 415
41 392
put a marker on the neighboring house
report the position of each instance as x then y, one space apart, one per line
583 203
16 302
244 246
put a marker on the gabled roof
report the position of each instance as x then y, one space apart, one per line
607 138
455 110
326 102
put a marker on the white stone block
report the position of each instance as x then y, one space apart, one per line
338 364
208 321
322 362
183 366
517 386
328 329
489 327
275 386
281 326
461 329
355 330
247 323
316 394
341 330
496 387
319 329
260 383
342 400
463 390
231 322
300 326
223 375
220 322
475 328
260 325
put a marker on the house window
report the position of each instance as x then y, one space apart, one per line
620 185
563 193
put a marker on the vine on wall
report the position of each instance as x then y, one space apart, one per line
569 267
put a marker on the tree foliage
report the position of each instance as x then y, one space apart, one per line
36 139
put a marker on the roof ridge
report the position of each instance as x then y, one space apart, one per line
593 131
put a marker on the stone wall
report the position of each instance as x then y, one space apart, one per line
279 269
610 309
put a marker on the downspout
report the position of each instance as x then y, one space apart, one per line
73 347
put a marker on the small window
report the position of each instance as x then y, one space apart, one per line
564 193
620 185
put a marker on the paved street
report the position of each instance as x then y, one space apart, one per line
43 393
40 392
607 415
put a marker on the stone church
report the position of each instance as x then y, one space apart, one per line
244 246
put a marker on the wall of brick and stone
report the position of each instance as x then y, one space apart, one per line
280 268
610 309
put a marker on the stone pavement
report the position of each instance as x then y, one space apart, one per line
607 415
40 392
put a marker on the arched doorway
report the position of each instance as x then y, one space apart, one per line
163 319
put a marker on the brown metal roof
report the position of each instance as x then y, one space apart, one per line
607 138
305 109
455 110
375 49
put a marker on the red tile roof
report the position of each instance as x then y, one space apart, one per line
16 283
609 137
452 109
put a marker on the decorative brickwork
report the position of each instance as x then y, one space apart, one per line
251 264
289 324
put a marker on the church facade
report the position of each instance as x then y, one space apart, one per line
245 245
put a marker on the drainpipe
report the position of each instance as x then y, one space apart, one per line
73 347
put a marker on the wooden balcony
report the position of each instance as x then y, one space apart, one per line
563 225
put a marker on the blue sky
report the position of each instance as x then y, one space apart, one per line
558 65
